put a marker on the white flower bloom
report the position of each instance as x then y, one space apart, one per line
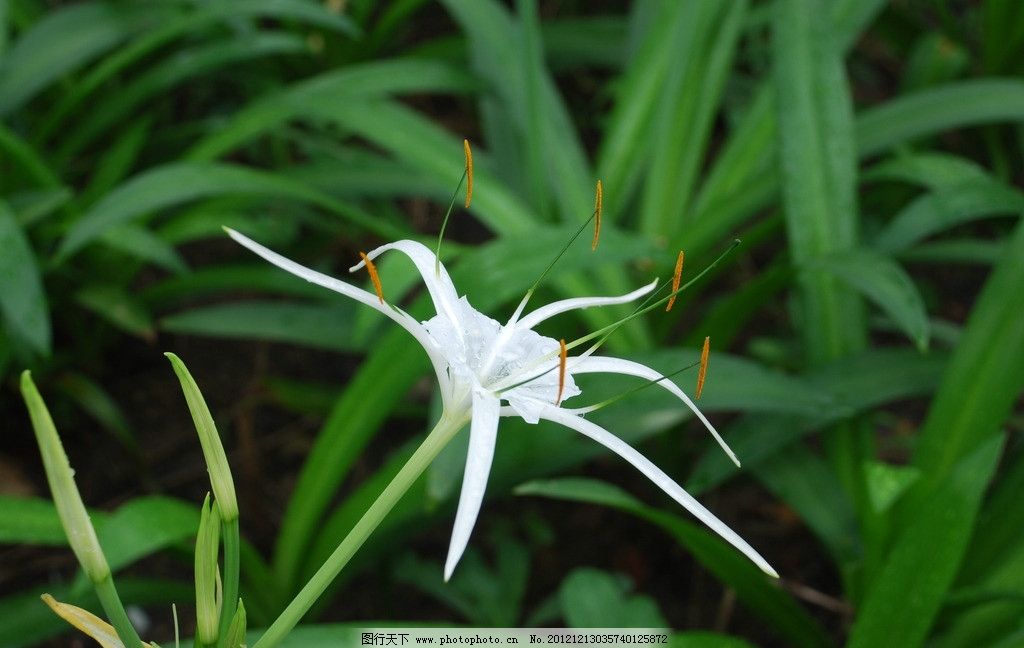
480 364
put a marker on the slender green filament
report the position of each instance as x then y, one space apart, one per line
604 333
630 392
444 223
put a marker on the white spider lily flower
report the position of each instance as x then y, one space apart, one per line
480 364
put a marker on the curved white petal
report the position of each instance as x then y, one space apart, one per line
400 317
656 475
483 433
558 307
439 284
605 364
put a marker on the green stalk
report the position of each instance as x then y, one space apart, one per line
229 531
114 609
438 438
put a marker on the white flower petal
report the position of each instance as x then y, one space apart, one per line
605 364
482 436
439 284
401 318
656 475
558 307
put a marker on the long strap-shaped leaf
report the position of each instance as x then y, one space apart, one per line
956 451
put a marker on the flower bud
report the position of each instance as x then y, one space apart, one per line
213 451
207 573
73 516
236 632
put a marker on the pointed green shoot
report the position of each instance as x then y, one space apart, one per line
235 637
207 574
71 510
213 451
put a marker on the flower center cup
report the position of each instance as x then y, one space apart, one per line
483 354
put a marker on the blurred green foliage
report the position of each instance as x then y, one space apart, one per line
866 152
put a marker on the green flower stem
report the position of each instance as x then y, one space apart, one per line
438 438
229 532
114 609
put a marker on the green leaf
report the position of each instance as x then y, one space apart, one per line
854 384
33 207
902 603
421 144
119 308
684 119
886 482
929 169
953 105
818 165
25 621
947 208
884 282
318 326
934 59
596 599
751 586
229 279
622 158
189 24
185 65
984 377
584 41
62 41
176 183
28 158
31 520
993 610
811 487
311 97
528 107
22 298
956 251
142 244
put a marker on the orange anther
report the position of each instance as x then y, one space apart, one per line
598 200
561 371
676 277
703 371
469 171
374 277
